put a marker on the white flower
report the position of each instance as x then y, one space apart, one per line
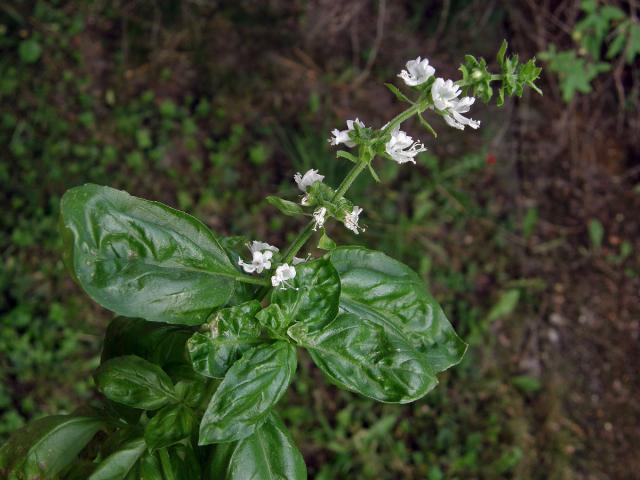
257 246
402 148
444 93
261 255
454 117
351 220
319 218
418 71
309 178
342 136
284 273
297 260
259 262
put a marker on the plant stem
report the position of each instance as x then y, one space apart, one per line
166 464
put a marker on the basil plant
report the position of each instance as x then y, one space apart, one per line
206 334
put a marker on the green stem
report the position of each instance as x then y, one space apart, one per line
166 464
406 115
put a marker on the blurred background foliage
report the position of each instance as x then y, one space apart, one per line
526 230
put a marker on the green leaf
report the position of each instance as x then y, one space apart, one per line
233 331
159 343
427 126
325 242
170 425
596 233
399 95
505 305
44 447
143 259
29 50
285 206
118 465
359 355
184 463
386 292
268 454
135 382
502 52
314 294
251 387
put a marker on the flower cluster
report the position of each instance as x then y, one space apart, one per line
445 95
402 148
261 255
343 136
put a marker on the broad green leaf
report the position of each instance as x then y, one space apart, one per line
118 465
268 454
285 206
150 467
314 294
386 292
44 447
250 388
359 355
170 425
135 382
143 259
233 331
159 343
191 388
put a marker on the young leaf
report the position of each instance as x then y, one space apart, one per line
170 425
234 330
250 388
347 155
274 321
357 354
118 465
268 454
285 206
135 382
386 292
143 259
44 447
314 296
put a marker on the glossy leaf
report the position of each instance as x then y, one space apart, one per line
386 292
314 294
135 382
359 355
118 465
268 454
159 343
44 447
143 259
184 463
233 331
170 425
250 388
273 319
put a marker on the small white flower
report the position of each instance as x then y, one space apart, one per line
454 117
342 136
351 220
402 148
319 218
418 71
297 260
284 273
444 93
260 261
257 246
261 255
309 178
